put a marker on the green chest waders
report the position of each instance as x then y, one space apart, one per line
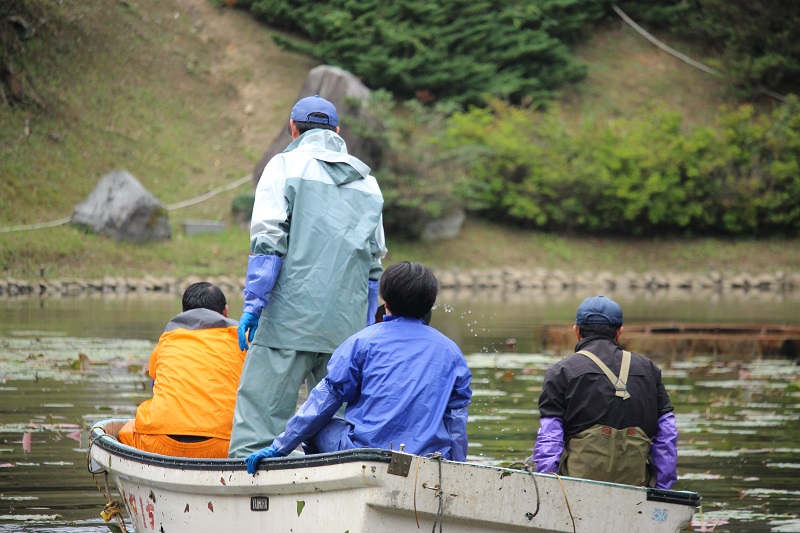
604 453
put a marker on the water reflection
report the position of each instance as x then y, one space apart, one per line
738 420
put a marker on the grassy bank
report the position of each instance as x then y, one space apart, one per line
66 252
183 95
186 97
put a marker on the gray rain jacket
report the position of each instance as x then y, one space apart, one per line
320 209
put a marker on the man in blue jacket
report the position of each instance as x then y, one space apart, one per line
312 279
403 381
604 412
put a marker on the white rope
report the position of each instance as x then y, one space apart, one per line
172 207
683 57
59 222
664 47
210 194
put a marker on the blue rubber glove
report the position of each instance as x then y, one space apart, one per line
262 274
265 453
372 302
248 322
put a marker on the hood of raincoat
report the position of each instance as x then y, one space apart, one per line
330 150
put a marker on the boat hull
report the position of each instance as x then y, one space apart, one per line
369 490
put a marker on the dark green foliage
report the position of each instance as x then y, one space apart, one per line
663 14
640 177
466 50
19 22
456 50
757 41
242 208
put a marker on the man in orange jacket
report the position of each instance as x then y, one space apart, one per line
195 369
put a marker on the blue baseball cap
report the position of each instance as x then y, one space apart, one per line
599 310
304 109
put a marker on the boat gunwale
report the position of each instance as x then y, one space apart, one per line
109 443
98 437
679 497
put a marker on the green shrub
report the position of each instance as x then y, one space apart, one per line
642 176
759 171
242 208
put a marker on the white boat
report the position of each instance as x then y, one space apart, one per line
367 490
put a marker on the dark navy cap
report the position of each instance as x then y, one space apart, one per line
599 310
304 109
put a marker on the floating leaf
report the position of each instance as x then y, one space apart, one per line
31 517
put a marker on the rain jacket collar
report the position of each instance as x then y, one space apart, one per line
329 148
200 319
389 318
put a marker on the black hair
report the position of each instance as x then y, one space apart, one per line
381 312
204 295
409 289
606 331
304 126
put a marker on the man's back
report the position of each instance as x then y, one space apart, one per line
196 368
329 245
579 392
399 379
604 412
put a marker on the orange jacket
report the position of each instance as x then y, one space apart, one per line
195 367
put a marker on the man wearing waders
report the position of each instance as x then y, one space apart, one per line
317 241
604 412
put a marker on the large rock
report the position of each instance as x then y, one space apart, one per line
121 208
350 97
446 227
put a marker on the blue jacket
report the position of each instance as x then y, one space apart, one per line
403 382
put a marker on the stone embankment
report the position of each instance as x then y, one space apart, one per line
501 279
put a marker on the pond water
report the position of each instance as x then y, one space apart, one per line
67 362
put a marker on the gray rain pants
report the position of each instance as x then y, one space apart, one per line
267 395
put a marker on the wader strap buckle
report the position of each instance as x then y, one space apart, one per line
619 383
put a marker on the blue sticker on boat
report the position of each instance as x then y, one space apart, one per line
660 515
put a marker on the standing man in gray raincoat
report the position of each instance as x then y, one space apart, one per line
317 241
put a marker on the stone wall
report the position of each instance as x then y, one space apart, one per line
515 279
112 286
507 280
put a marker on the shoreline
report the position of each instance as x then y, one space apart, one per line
508 280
